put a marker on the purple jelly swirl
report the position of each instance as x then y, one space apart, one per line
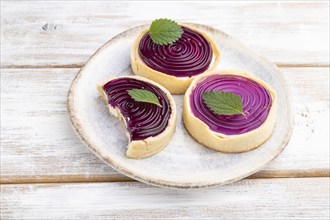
143 119
256 101
189 56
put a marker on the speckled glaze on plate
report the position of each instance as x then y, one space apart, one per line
184 163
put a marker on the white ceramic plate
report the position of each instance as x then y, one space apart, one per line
184 163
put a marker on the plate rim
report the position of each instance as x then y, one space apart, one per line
77 126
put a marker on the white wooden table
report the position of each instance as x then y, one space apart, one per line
47 172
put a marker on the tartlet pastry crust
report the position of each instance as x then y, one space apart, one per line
176 85
222 142
138 149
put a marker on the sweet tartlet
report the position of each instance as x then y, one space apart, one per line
150 127
230 133
174 66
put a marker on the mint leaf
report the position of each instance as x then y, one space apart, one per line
141 95
223 103
165 31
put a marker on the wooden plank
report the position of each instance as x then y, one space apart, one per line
306 198
38 143
36 134
65 34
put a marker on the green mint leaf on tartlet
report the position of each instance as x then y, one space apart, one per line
223 103
141 95
165 31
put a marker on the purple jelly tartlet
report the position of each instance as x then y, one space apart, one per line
174 66
230 133
149 126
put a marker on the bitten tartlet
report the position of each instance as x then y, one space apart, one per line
230 133
174 66
149 127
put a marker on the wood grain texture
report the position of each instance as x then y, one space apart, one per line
304 198
38 143
54 34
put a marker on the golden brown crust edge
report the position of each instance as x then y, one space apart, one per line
176 85
152 145
229 143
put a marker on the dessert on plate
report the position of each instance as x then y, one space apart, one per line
229 111
171 61
147 109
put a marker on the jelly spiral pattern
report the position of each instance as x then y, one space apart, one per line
143 120
256 102
189 56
